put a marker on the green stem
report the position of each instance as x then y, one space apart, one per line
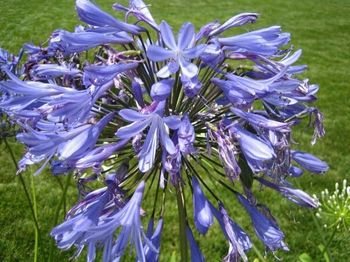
326 248
258 253
182 223
57 212
36 243
21 179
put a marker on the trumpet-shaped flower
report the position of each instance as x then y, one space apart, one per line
68 43
239 241
139 9
265 41
237 20
203 217
265 228
310 162
158 129
97 223
295 195
196 254
179 54
93 15
257 151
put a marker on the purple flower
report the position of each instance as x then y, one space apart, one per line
227 153
239 241
138 92
206 30
180 53
139 10
295 171
196 254
257 152
49 71
157 130
264 41
260 121
310 162
93 15
7 60
238 20
44 144
151 254
213 55
191 86
257 88
186 136
237 97
295 195
76 42
96 225
266 228
162 89
203 217
93 158
101 74
87 213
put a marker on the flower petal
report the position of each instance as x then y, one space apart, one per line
194 51
157 53
167 35
186 36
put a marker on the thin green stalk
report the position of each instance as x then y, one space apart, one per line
57 212
257 252
21 179
326 248
36 241
182 223
320 231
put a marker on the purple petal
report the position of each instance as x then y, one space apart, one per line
203 218
148 151
167 35
132 115
194 51
310 162
93 15
157 53
170 68
133 129
162 89
265 228
99 75
188 69
166 141
186 36
173 122
238 20
196 254
261 121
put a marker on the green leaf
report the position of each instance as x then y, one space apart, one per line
325 253
304 257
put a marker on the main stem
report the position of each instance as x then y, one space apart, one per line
326 248
182 223
36 243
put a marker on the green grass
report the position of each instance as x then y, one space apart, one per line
320 28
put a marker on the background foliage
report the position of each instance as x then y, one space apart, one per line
320 28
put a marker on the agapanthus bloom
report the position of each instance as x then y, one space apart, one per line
143 111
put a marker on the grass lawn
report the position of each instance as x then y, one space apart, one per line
321 28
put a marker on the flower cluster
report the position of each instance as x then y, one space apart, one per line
133 106
334 209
